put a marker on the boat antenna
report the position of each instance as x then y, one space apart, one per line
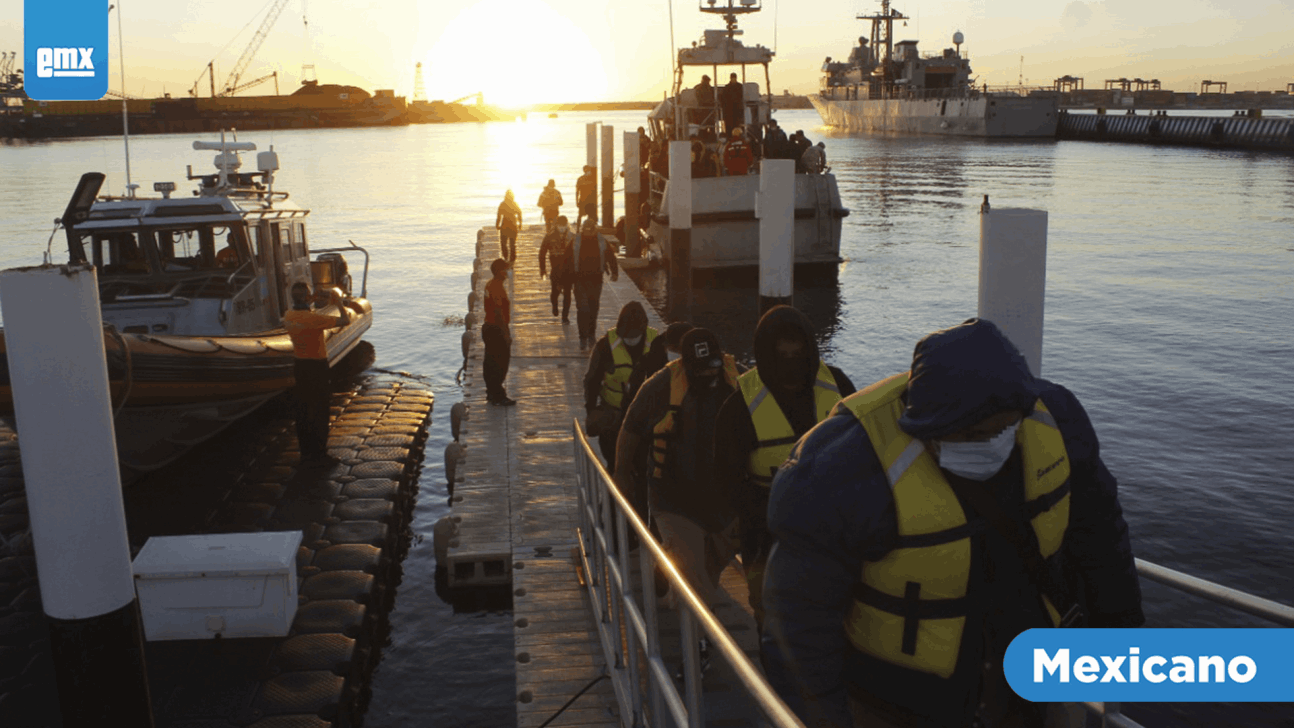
775 4
125 117
672 68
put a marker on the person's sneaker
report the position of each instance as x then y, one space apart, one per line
504 401
554 310
584 343
565 320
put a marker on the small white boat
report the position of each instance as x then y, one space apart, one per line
725 231
193 290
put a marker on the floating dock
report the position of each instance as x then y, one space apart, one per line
515 506
353 516
1248 132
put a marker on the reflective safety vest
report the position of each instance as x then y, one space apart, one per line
772 430
910 608
663 432
615 381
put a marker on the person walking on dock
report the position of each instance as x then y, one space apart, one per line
556 250
508 222
550 202
593 256
495 336
306 328
932 518
677 409
788 392
586 196
606 381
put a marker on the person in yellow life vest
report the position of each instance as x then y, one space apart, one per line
932 518
310 367
606 380
676 410
788 392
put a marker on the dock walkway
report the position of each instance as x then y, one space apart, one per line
516 504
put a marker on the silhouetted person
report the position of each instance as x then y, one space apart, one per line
508 222
586 196
310 368
556 252
550 202
732 98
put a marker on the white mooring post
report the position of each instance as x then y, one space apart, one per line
633 195
608 176
1013 276
679 192
775 208
59 375
591 159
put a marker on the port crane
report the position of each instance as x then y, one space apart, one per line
231 85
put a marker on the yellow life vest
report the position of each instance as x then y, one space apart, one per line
772 430
663 432
910 607
614 382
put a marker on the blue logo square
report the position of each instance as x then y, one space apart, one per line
66 49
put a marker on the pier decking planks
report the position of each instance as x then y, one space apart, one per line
516 507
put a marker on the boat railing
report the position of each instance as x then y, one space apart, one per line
627 618
628 624
353 248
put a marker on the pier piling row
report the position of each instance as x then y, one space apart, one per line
353 516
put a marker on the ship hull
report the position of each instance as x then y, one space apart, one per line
985 116
725 230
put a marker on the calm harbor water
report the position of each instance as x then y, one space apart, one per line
1169 312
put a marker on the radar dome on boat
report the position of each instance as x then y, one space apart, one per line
958 38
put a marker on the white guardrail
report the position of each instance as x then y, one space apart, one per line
629 626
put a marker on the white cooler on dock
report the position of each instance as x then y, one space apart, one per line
228 585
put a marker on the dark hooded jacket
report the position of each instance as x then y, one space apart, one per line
831 509
735 436
601 363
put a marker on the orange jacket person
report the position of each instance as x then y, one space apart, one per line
310 366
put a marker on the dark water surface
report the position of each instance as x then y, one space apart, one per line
1169 312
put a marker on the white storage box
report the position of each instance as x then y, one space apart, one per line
226 585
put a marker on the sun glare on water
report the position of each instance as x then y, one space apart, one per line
516 53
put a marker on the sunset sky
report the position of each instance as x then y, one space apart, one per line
521 51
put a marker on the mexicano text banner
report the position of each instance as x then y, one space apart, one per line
1152 665
65 49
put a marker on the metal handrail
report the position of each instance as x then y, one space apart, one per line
616 604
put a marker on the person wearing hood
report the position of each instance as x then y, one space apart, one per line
606 381
591 256
508 221
550 202
933 517
788 392
676 410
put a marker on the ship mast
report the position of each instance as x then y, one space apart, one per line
886 16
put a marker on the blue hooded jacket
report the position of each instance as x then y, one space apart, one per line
831 509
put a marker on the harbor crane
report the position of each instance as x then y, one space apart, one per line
231 85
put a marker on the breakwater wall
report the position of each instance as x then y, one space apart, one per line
1234 131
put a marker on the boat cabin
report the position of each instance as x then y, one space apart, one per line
220 263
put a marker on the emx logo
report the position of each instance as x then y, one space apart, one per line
64 62
67 47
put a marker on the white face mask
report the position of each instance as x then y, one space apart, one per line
671 355
978 460
634 341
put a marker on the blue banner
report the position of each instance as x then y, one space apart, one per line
1152 665
65 54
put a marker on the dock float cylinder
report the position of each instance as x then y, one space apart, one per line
608 176
59 375
775 208
591 154
633 194
1013 276
680 228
